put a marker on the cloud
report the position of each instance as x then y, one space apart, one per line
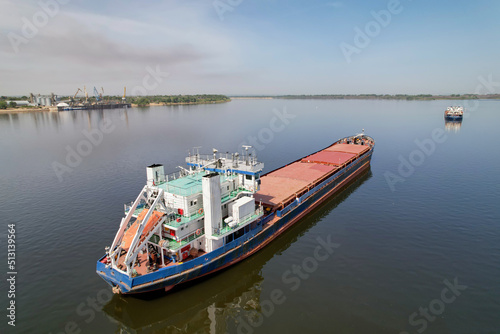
87 48
77 46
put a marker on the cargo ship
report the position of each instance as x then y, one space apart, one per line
180 313
454 113
218 211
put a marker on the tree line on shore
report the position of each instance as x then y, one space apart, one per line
11 104
5 105
142 101
177 99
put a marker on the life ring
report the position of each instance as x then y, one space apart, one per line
200 211
198 232
251 189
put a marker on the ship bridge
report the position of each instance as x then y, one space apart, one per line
227 163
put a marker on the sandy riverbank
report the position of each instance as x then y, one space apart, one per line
22 110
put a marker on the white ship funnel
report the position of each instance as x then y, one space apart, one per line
211 206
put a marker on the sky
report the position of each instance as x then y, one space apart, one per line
248 47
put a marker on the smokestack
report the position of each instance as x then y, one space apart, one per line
211 203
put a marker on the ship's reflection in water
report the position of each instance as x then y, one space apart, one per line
215 304
453 126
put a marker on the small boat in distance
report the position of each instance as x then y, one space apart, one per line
218 211
454 113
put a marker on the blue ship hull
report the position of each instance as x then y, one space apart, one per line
239 249
453 118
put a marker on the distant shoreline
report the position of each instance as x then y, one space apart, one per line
296 97
420 97
252 98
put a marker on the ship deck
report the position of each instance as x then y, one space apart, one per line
141 266
293 180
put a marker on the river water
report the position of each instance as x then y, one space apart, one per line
417 246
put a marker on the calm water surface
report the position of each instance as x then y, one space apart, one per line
414 224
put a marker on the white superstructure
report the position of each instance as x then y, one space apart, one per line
180 216
454 111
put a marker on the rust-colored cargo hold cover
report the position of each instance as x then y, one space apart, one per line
348 148
273 190
282 183
303 171
285 182
329 157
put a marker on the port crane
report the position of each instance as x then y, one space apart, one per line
86 94
77 91
124 93
72 99
96 95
